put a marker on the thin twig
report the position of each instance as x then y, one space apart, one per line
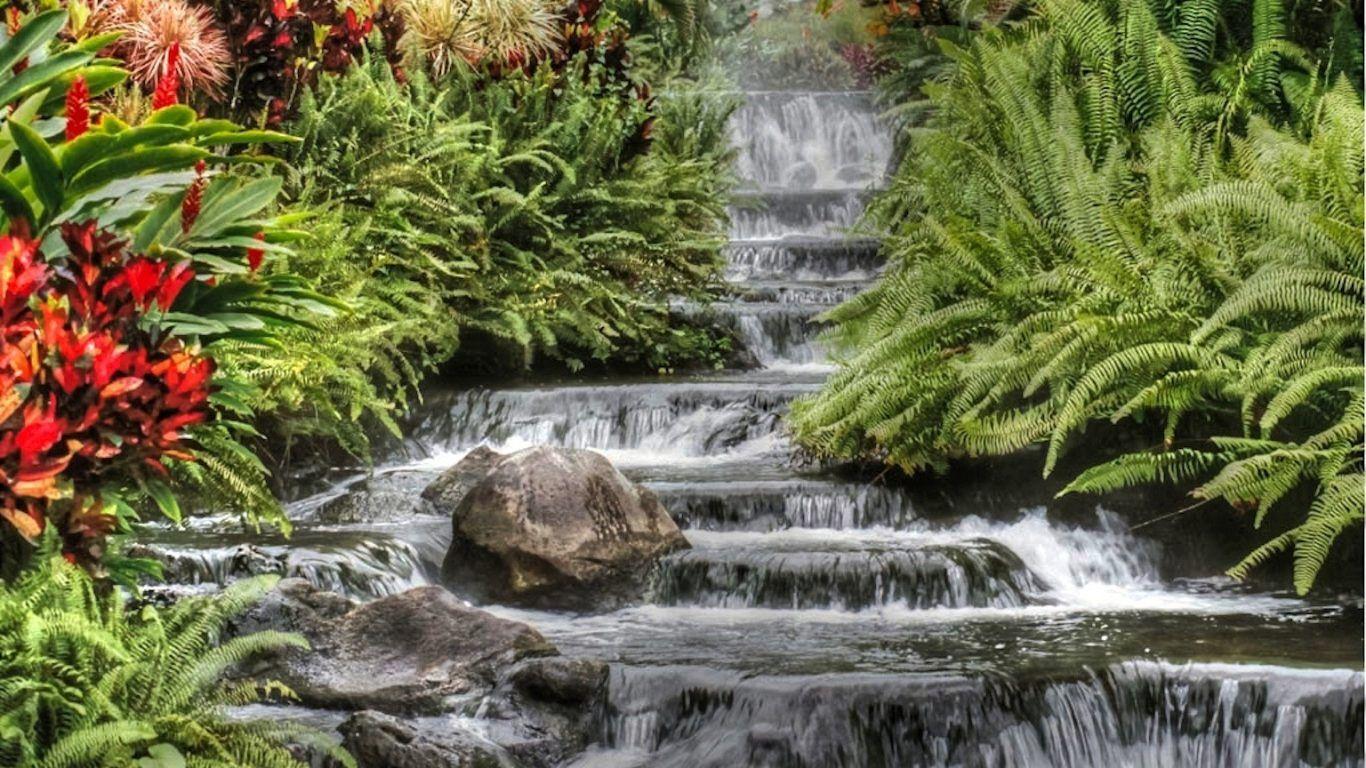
1160 518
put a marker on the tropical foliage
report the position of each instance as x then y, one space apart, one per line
551 212
130 262
87 680
1126 213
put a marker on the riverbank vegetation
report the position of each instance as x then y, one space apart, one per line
228 227
1125 214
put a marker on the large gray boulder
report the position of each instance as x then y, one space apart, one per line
412 653
557 528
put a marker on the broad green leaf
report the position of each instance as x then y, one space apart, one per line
142 161
39 31
13 202
38 76
164 498
45 174
228 203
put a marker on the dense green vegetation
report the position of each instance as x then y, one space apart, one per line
1127 213
538 218
522 201
86 680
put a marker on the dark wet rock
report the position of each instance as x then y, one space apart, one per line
557 528
547 710
409 653
294 605
446 491
378 740
191 566
381 498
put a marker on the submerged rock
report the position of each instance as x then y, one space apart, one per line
378 740
547 710
555 527
404 654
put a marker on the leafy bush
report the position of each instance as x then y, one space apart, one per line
1086 234
545 210
85 681
129 265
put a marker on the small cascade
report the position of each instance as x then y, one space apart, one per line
775 505
1148 714
795 140
690 419
819 293
801 259
842 574
802 213
352 561
776 333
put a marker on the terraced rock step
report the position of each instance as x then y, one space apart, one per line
802 258
775 333
823 293
743 571
1133 713
806 212
692 418
354 561
778 504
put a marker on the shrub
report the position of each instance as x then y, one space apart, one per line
528 207
280 48
1085 236
86 681
129 263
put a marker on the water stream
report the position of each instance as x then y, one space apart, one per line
825 622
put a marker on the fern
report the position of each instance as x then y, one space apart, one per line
1118 215
85 683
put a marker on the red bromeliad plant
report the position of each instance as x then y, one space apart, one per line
92 397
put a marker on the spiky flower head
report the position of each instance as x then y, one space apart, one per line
517 29
445 33
77 108
149 30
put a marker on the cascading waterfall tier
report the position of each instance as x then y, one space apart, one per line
1148 714
794 140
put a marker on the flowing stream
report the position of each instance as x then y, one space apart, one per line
818 621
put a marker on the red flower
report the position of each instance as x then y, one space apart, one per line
168 87
256 255
194 197
77 108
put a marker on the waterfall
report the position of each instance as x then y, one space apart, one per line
821 621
